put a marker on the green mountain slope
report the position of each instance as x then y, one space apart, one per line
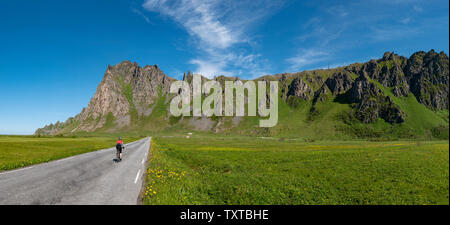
390 98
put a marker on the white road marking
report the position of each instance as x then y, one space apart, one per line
143 161
16 170
137 176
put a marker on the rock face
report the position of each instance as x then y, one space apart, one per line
372 104
300 89
126 91
321 95
50 129
339 83
425 74
428 74
363 88
389 72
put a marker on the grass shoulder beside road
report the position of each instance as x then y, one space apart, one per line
240 170
21 151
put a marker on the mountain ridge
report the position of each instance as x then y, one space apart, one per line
133 97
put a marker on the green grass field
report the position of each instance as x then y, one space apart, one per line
212 169
20 151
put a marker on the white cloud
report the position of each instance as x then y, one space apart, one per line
216 27
210 68
306 57
199 19
338 10
417 8
217 62
405 20
347 25
378 34
142 15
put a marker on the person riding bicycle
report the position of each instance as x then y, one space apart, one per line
119 148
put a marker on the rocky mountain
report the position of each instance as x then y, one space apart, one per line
125 92
393 89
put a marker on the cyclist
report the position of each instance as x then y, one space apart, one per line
119 148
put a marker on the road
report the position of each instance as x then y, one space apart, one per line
87 179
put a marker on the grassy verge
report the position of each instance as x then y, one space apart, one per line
240 170
20 151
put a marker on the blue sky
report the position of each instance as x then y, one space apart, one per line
54 53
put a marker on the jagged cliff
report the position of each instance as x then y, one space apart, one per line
132 97
126 91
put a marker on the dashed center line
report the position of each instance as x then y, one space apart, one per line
137 176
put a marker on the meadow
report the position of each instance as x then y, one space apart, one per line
213 169
20 151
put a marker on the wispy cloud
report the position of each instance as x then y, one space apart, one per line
216 63
219 29
199 18
417 8
138 12
345 25
405 20
338 10
306 57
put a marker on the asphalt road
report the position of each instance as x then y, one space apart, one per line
91 178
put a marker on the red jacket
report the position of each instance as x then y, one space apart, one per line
119 142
